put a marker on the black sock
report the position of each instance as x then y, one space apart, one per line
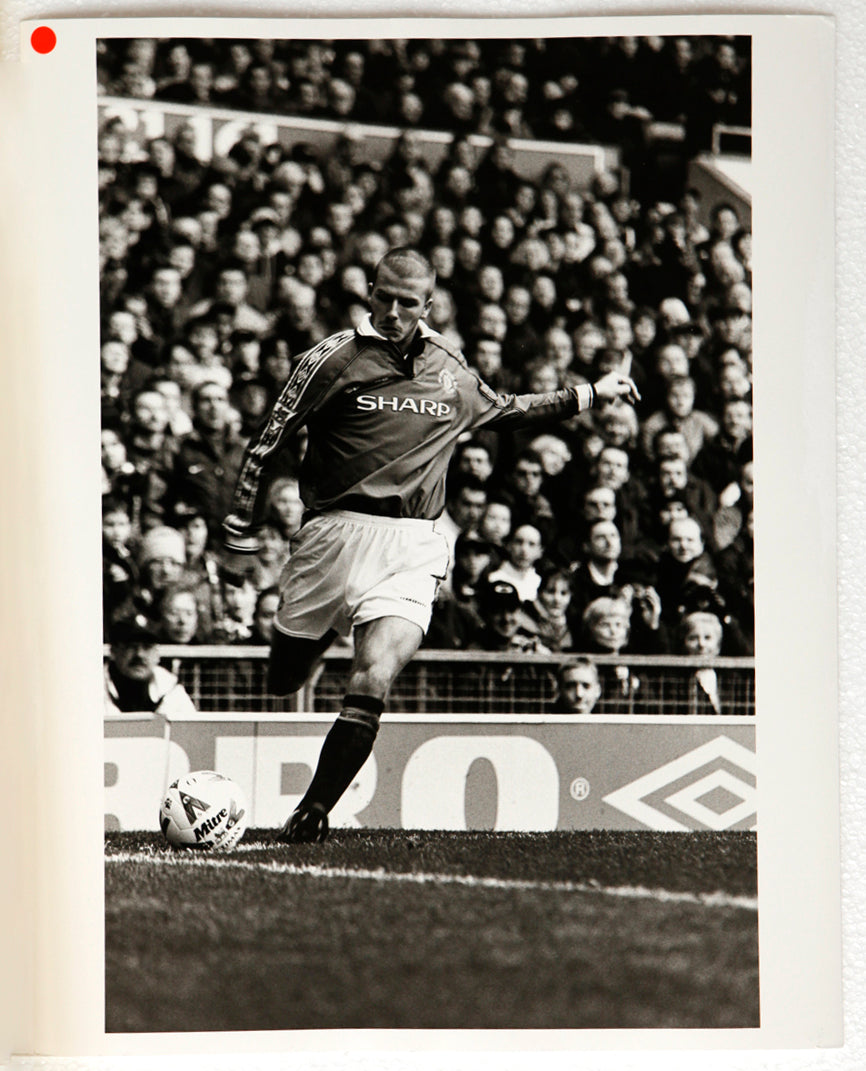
345 750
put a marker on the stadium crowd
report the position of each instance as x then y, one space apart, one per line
621 531
576 89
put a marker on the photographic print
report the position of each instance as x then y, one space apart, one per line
426 404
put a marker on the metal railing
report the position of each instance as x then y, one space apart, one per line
226 679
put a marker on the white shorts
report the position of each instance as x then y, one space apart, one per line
346 569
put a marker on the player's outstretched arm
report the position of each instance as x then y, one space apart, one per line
616 385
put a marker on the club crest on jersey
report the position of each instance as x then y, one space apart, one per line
449 383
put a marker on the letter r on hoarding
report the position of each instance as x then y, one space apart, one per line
434 783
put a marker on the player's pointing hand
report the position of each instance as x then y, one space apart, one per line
616 385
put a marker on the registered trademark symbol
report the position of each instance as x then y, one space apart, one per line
579 788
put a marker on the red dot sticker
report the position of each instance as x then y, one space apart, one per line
43 39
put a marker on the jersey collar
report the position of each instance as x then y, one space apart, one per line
366 330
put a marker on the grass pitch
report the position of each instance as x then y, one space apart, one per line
394 929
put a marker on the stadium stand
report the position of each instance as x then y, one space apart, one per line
566 192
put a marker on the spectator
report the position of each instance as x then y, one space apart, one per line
708 690
605 626
465 502
524 494
263 616
523 550
578 687
178 615
550 610
285 508
683 561
595 575
134 680
680 414
119 569
506 626
209 458
496 522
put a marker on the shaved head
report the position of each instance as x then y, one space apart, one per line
408 264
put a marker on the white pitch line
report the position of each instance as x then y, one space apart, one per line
628 892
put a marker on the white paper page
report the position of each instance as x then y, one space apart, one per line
802 406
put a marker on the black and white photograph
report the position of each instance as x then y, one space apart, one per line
426 407
433 584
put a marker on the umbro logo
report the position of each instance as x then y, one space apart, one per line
711 787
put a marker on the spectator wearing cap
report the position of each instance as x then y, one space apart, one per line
160 561
506 625
209 458
134 680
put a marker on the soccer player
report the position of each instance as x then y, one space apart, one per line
384 406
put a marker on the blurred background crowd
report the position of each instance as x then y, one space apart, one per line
621 530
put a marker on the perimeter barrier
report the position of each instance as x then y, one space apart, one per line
470 741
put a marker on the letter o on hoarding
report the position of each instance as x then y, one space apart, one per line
434 783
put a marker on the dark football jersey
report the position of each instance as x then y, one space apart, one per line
382 426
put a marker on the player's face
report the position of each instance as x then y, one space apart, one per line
397 304
581 689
